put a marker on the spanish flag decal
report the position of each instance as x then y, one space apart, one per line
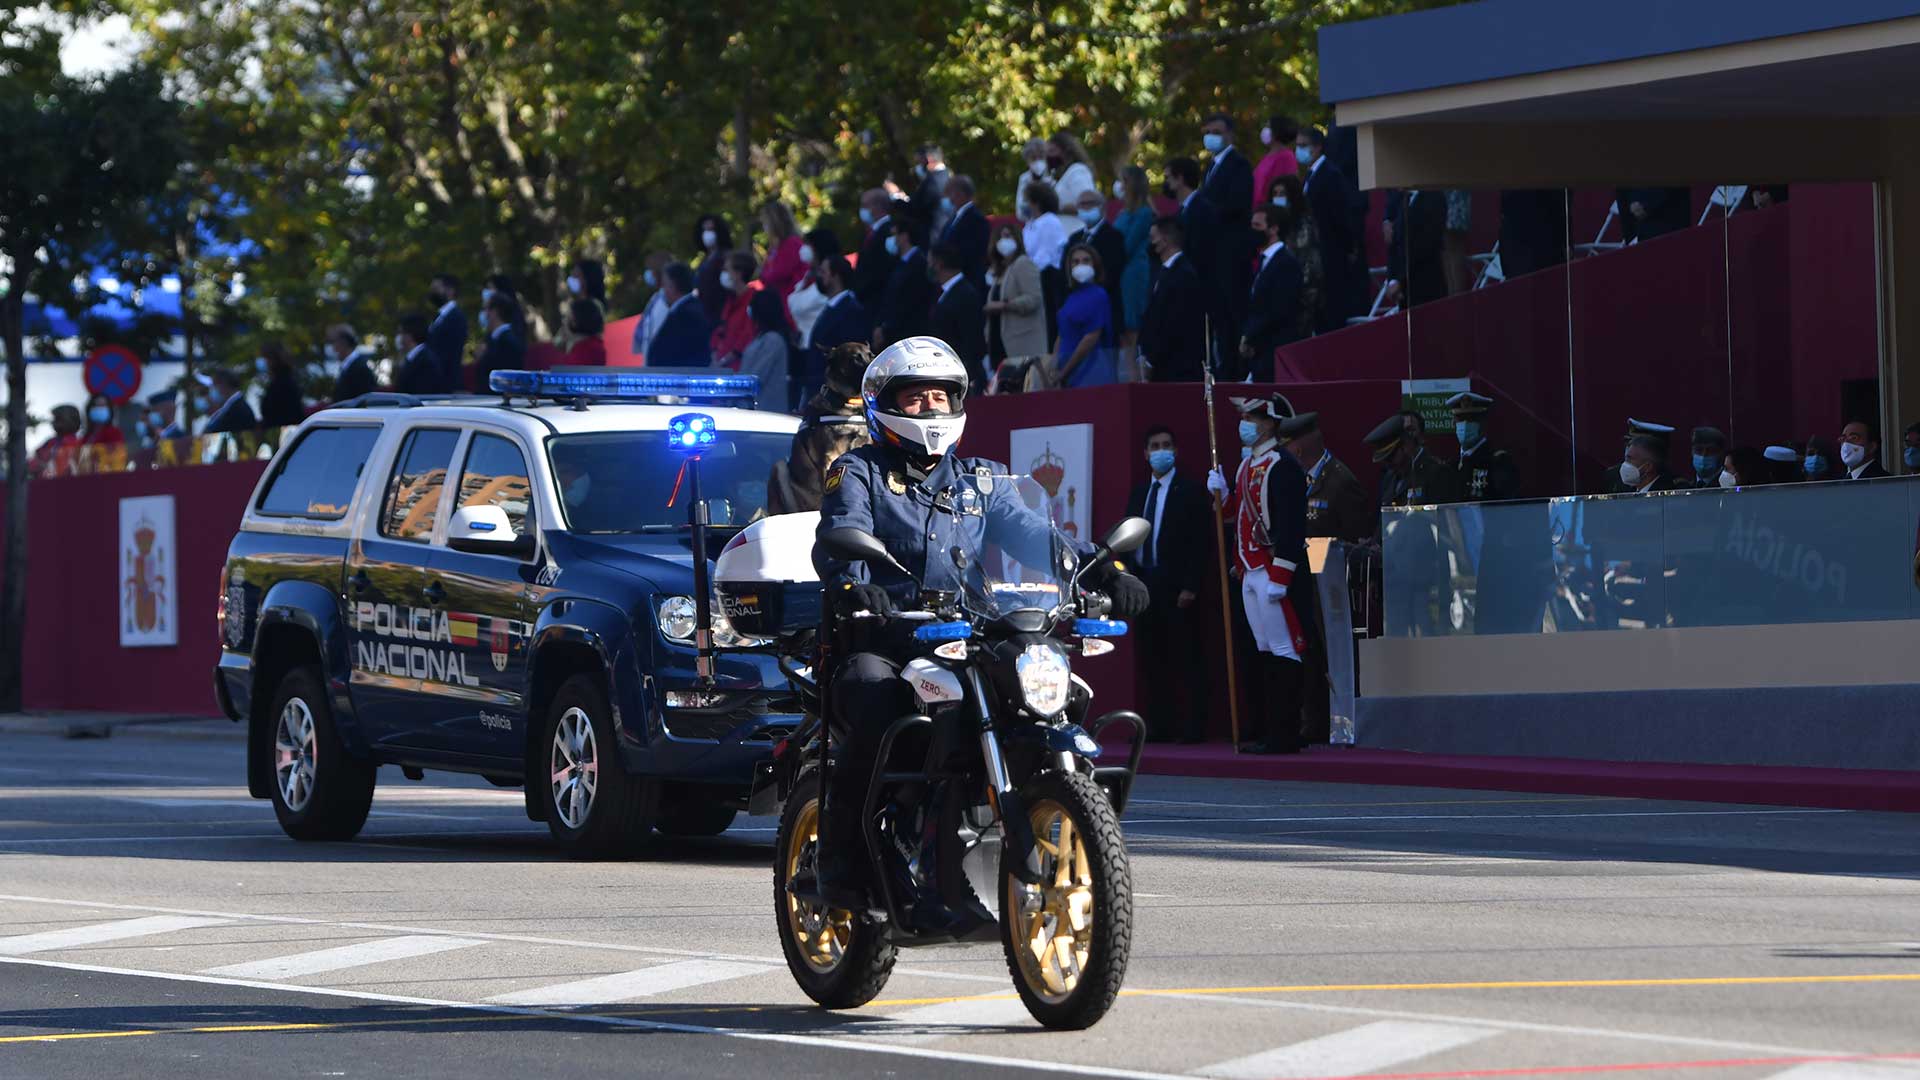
464 628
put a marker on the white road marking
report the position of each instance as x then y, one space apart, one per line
1368 1048
79 937
345 956
776 1037
931 1023
630 985
1846 1070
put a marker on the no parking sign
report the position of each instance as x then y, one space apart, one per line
112 370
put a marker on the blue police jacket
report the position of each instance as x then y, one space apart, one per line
870 488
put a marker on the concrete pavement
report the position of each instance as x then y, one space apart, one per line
154 921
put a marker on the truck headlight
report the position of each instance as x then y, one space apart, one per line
677 619
1045 677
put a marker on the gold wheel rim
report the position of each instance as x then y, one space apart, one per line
1053 921
822 933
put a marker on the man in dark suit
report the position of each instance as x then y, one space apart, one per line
1340 212
1228 185
1173 330
909 297
447 334
957 316
356 364
504 350
1860 450
420 370
1646 213
1173 563
876 259
845 319
931 168
1273 301
1208 248
229 412
1107 242
682 340
966 232
1415 227
1533 230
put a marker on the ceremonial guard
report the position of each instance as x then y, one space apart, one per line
1483 473
1337 509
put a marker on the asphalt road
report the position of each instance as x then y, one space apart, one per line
155 923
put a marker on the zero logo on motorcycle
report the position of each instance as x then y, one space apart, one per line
931 682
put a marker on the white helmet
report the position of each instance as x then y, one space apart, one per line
915 361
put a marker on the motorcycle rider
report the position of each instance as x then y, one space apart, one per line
902 488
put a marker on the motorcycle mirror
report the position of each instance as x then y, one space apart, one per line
1128 535
858 545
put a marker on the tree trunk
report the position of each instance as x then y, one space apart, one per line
13 579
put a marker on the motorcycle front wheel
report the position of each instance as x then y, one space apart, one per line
1067 939
840 958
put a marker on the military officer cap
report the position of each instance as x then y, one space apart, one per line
1467 403
1274 407
1782 453
1660 433
1385 439
162 397
1299 424
1709 436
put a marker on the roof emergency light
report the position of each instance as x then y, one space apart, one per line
623 385
692 433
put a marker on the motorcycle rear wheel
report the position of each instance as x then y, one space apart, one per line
841 959
1067 940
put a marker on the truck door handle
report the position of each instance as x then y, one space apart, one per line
360 581
434 592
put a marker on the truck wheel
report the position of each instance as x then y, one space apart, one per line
692 815
320 791
593 808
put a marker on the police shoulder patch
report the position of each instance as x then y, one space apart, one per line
833 478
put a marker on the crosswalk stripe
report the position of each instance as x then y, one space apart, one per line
931 1023
76 937
1846 1070
344 956
1367 1048
628 985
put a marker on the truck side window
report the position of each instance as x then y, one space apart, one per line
413 493
496 475
315 478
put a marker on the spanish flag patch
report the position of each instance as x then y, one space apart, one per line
833 479
463 628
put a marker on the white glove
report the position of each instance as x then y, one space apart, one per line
1276 592
1217 484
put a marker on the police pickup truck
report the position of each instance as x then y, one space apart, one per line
503 586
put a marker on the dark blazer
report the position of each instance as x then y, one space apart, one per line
1273 310
1202 221
280 403
1873 471
683 337
356 378
967 232
233 415
909 298
447 340
876 266
1338 505
504 351
1415 257
1173 331
1334 200
1111 246
926 200
1668 210
838 324
420 373
958 321
706 282
1180 561
1229 186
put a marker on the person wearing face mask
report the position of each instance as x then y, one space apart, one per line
930 167
1172 563
1303 241
355 371
1085 356
655 311
447 333
1785 463
957 318
1016 326
227 408
1744 467
1268 504
1228 185
282 404
1910 449
1645 468
1072 170
1173 345
713 239
909 299
417 371
966 231
1483 473
1410 476
1033 171
100 428
809 298
59 454
784 267
1278 161
843 321
576 493
502 285
734 332
1337 508
505 349
1095 233
685 335
1340 212
1821 461
875 266
1134 223
1272 317
1860 451
1709 450
163 412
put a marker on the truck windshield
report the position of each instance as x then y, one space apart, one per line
620 481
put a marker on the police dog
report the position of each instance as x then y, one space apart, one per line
833 421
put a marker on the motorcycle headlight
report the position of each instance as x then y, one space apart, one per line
677 619
1045 677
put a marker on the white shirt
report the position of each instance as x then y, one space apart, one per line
1074 179
651 319
1854 473
834 300
1217 159
947 286
1045 240
444 308
805 305
1171 259
501 329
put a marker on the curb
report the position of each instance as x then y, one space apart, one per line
1766 785
107 725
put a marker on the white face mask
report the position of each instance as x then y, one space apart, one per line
1119 189
992 277
726 280
1630 474
1852 454
806 254
1727 480
1006 247
1083 273
1266 136
1038 167
577 286
709 238
486 296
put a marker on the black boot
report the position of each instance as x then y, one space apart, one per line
1281 707
838 877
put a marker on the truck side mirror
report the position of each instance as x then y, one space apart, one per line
485 529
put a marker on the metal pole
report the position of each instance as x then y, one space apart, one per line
1220 553
702 590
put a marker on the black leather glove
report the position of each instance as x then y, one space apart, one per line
862 596
1128 596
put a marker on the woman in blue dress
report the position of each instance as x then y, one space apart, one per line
1085 352
1134 220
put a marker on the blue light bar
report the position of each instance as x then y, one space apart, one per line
943 631
1100 627
690 433
622 385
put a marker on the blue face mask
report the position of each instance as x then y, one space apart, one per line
1212 142
1303 155
1467 432
99 414
1249 433
1705 465
1091 216
652 281
1160 460
892 248
1814 465
946 204
1911 455
866 216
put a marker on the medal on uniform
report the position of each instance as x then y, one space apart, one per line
896 483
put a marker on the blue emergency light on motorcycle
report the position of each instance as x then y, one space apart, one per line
691 433
1100 627
623 385
942 631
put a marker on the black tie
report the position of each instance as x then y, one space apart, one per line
1153 539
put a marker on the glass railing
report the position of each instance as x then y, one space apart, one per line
1800 553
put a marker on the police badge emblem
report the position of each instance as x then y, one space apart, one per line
896 483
